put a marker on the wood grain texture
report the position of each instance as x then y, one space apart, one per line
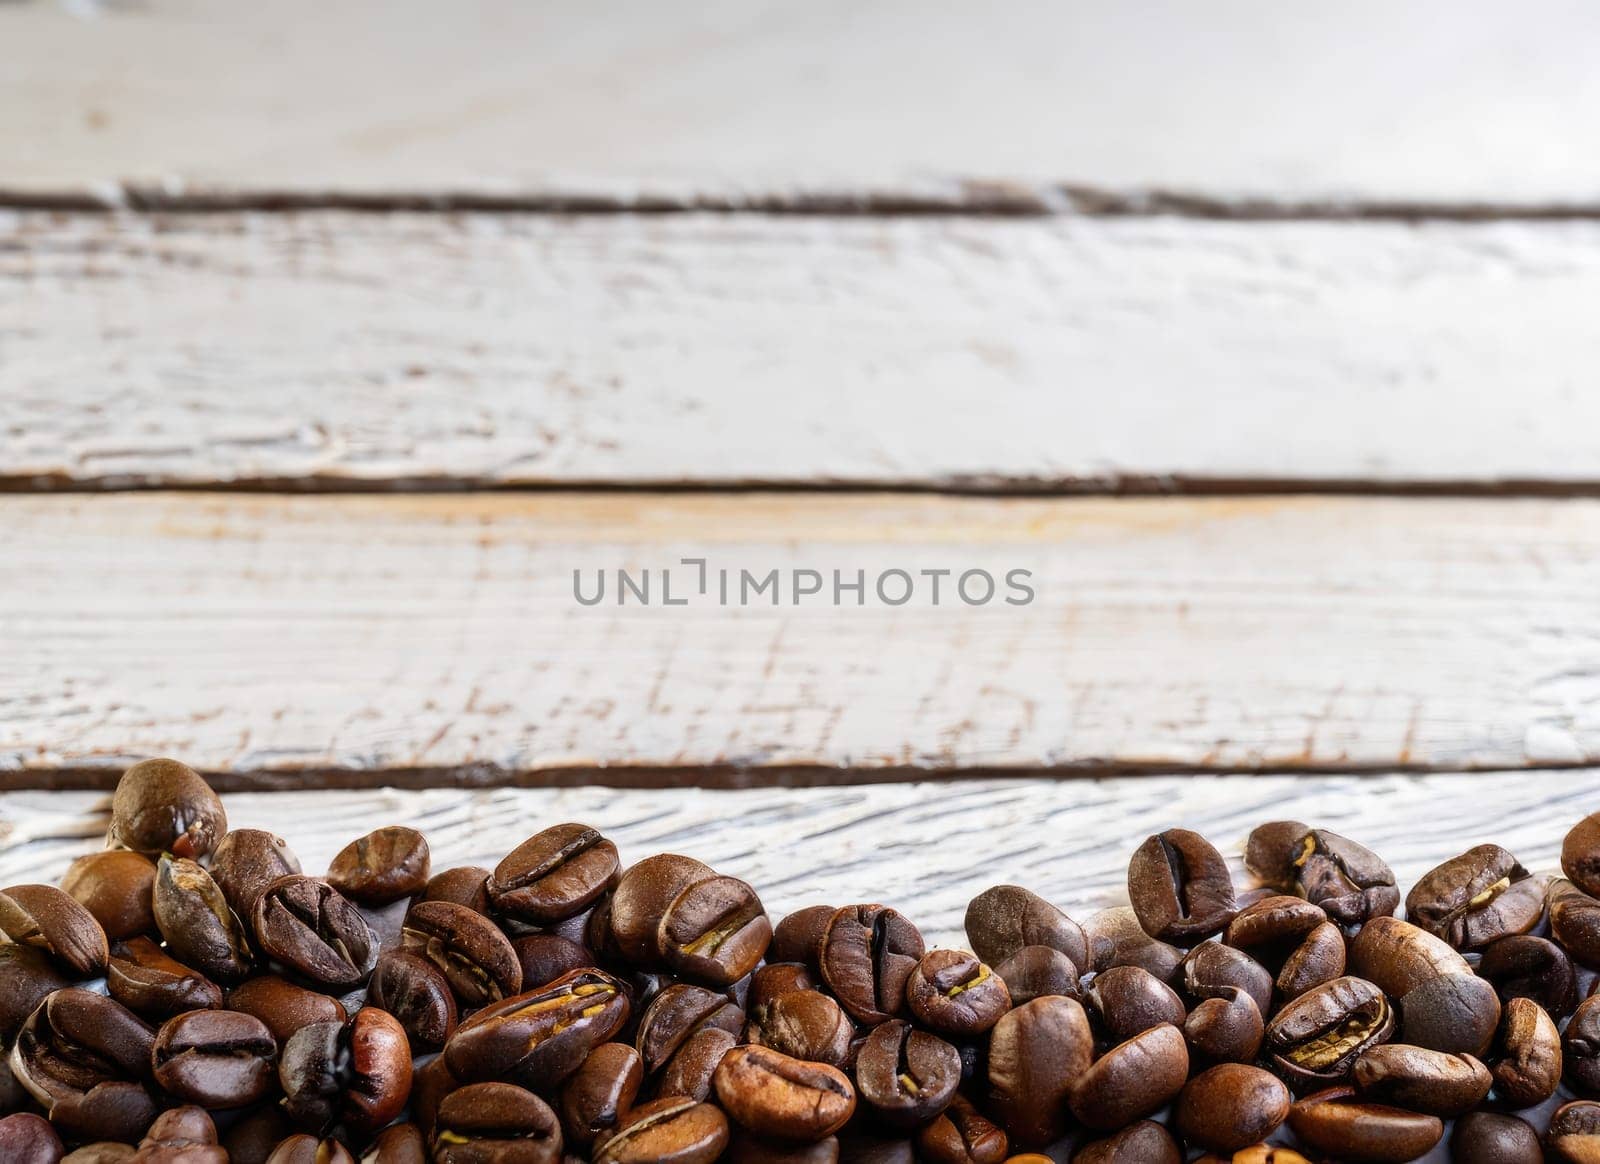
1427 101
271 634
348 350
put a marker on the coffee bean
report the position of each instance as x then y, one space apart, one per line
951 992
85 1059
539 1038
1524 966
1211 969
27 1139
1335 1123
1132 1080
382 867
430 1083
1482 1137
117 887
1035 971
1527 1069
777 978
1180 887
246 862
906 1076
641 897
303 1149
715 931
600 1093
183 1135
1433 1082
398 1144
1444 1006
283 1006
1349 881
417 993
252 1138
474 956
546 957
1316 1039
964 1135
1145 1142
803 1024
48 920
771 1094
1003 919
1573 1136
1271 928
102 1152
1230 1107
215 1058
197 923
554 874
1575 922
162 806
1119 940
143 978
1580 1046
1225 1029
690 1070
357 1072
466 885
496 1121
27 976
1476 898
1580 855
1037 1051
308 926
798 937
1129 1000
671 1131
868 952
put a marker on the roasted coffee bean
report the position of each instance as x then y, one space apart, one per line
1272 928
1335 1123
690 1070
1527 1067
554 874
600 1093
1476 898
474 956
1319 958
715 931
1580 1048
1035 971
676 1014
46 919
1482 1137
1443 1005
382 867
1180 887
1003 919
1132 1080
154 986
1573 1136
117 887
641 897
667 1131
466 885
251 1138
775 979
803 1024
27 976
906 1076
398 1144
308 926
1433 1082
546 957
1225 1029
798 937
162 806
771 1094
1211 969
539 1038
1316 1039
183 1135
430 1083
1145 1142
951 992
1580 855
868 953
283 1006
1575 922
417 993
1349 881
1037 1051
1524 966
197 923
215 1058
495 1122
1129 1000
1119 940
1230 1107
246 862
304 1149
85 1059
357 1072
27 1139
101 1152
964 1135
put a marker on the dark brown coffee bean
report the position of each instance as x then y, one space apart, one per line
803 1024
906 1076
1432 1082
1005 918
676 1014
777 978
1335 1123
85 1059
1129 1000
1476 898
27 976
27 1139
398 1144
554 874
1488 1138
1443 1005
1119 940
382 867
474 956
771 1094
1524 966
417 993
1270 928
154 986
466 885
116 886
1573 1136
1316 1039
715 931
1575 922
600 1093
215 1058
1180 887
430 1083
303 1149
667 1131
251 1138
1319 958
283 1006
246 862
1145 1142
539 1038
308 926
1211 969
1132 1080
183 1135
642 896
963 1135
546 957
1580 1047
1527 1067
1226 1029
197 923
49 921
1037 1051
951 992
1580 855
798 937
1035 971
358 1073
495 1122
1349 881
690 1070
1230 1107
162 806
868 953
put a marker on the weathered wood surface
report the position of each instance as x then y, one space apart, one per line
269 634
924 848
345 350
1471 103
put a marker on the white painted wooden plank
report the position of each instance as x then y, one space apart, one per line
1428 100
530 349
276 634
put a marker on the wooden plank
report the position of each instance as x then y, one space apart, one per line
1428 101
268 635
925 848
348 350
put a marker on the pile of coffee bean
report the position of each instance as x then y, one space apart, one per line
189 994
